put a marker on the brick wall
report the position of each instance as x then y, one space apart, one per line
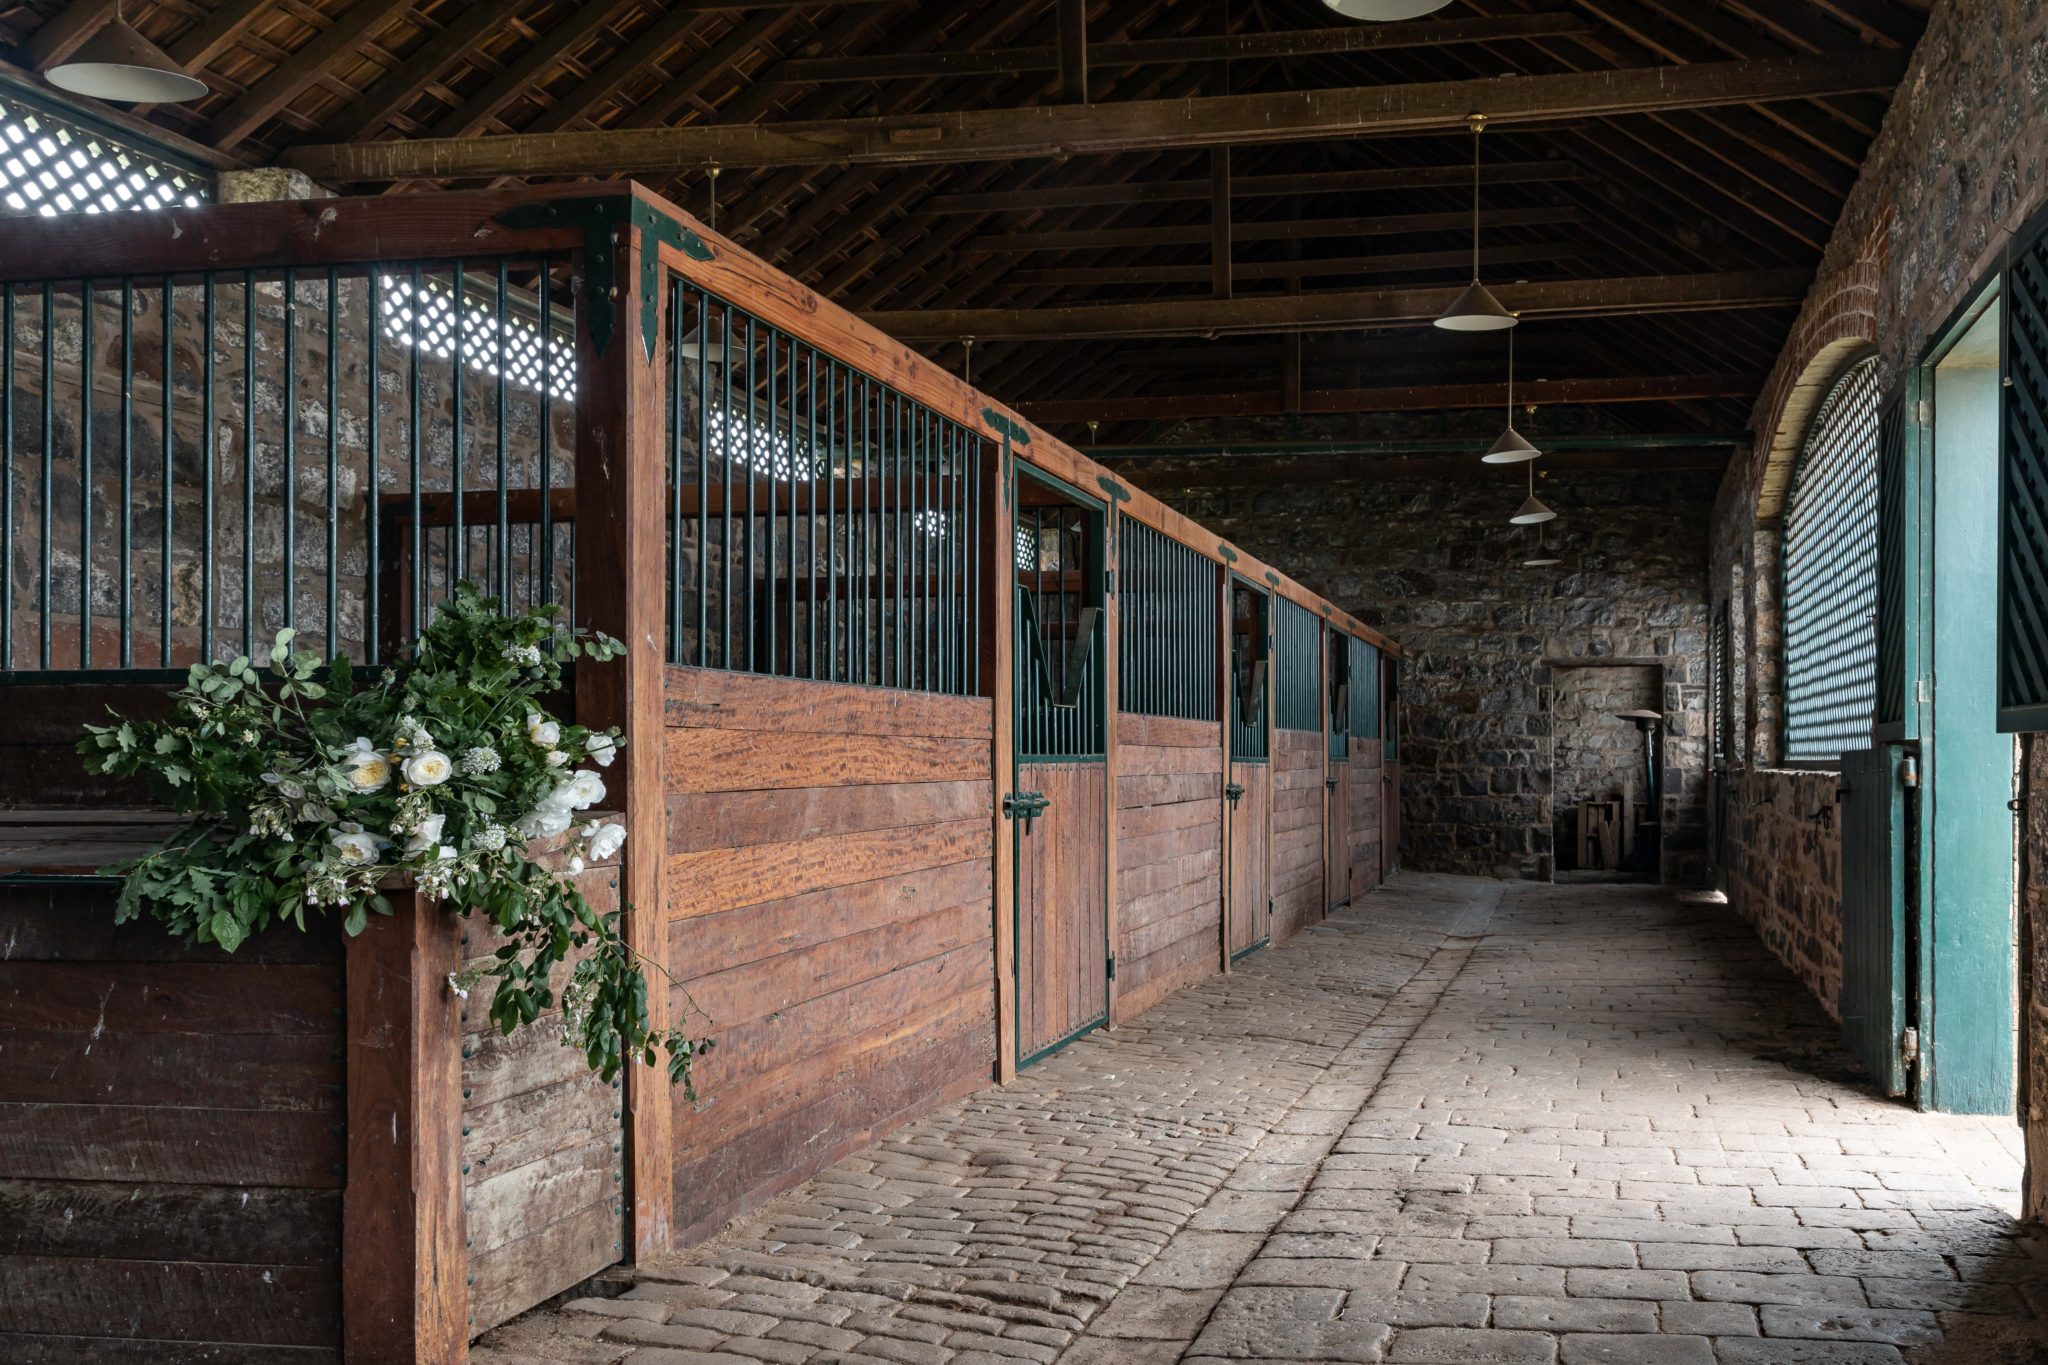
1434 563
1784 871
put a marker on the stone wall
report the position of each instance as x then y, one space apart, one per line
1784 871
1434 564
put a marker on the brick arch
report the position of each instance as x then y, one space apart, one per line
1831 332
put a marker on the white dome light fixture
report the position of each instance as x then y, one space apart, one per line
1476 309
1512 447
1532 512
117 63
1381 11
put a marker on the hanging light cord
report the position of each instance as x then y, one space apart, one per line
1511 376
1478 126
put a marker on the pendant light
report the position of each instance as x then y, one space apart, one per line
1476 309
1542 558
1512 447
1380 11
118 63
1532 512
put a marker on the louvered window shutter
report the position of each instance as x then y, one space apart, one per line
1890 717
2023 499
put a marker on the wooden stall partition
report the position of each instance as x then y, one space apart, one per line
1169 844
1298 831
829 892
1248 814
172 1142
1363 835
542 1145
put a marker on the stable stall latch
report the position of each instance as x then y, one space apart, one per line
1233 791
1025 806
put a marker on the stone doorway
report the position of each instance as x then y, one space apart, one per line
1604 824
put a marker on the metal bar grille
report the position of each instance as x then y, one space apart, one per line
821 525
1365 689
196 461
1390 711
1297 668
1166 625
2023 499
1720 701
1251 643
1338 687
1890 704
1060 636
1831 575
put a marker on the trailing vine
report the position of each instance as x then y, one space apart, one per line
310 793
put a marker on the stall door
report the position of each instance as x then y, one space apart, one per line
1248 912
1337 837
1059 802
1875 929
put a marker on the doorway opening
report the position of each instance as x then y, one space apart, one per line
1606 770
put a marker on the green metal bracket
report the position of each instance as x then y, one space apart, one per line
1273 578
1117 492
1015 432
1229 555
605 218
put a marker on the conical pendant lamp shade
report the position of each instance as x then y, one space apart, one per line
1531 512
1511 448
1476 310
1382 10
117 63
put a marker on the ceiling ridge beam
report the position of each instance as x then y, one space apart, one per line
1249 187
1402 398
1074 129
1345 308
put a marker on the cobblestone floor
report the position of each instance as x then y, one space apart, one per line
1467 1122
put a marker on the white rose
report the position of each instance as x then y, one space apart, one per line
356 849
575 864
543 822
585 789
606 841
557 759
542 731
365 769
429 768
426 834
602 749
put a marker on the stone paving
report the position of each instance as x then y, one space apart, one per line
1464 1122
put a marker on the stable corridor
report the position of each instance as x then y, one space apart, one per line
1461 1121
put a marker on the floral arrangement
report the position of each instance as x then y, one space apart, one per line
310 793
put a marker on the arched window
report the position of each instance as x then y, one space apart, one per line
1831 575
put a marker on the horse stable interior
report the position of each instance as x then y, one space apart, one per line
1062 570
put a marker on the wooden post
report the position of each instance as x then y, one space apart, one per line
1112 705
1073 51
620 589
405 1266
1224 679
996 648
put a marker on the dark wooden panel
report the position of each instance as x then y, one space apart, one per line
717 700
176 1300
1337 837
76 924
170 997
1298 830
1062 905
504 1276
758 760
1248 857
39 731
706 820
171 1146
37 1348
128 1221
202 1070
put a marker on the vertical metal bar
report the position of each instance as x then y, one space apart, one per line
675 470
334 464
832 468
546 548
127 596
206 508
458 372
248 462
501 362
49 460
899 494
416 610
289 409
912 416
373 283
978 454
703 480
868 575
7 482
751 437
767 438
85 358
727 590
812 423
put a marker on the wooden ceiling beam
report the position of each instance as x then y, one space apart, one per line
1156 468
1065 130
519 76
400 87
217 32
64 32
1069 277
1254 46
1413 398
1347 308
310 63
1262 230
1248 187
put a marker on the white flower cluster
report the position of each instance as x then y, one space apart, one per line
526 656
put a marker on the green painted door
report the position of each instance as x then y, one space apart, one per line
1874 912
1968 988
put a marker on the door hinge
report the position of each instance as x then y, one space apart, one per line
1109 582
1923 690
1923 412
1111 966
1909 1046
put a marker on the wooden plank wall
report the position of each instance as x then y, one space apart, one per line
1169 874
171 1144
829 893
1298 830
542 1139
1367 773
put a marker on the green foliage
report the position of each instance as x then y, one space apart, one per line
309 793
